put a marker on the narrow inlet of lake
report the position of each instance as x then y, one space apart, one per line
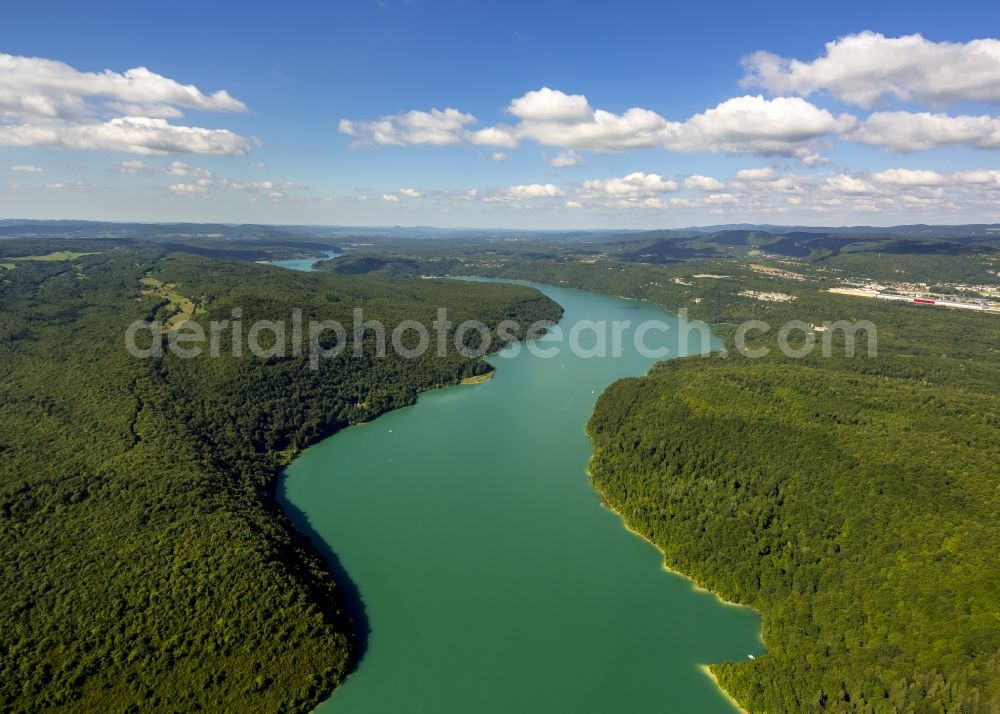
492 579
304 265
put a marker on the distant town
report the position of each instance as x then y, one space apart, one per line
921 294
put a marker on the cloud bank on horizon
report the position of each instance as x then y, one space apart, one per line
901 96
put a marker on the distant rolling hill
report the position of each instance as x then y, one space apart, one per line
671 246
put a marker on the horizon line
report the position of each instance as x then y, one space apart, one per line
491 228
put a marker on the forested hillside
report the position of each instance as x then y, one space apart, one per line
145 563
854 503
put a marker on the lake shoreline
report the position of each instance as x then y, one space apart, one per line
479 378
706 668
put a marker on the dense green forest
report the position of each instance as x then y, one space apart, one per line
853 501
146 565
858 514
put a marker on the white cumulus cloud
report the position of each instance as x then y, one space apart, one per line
494 136
137 135
48 88
784 126
565 160
762 174
703 183
553 118
533 190
636 183
179 168
845 183
909 131
437 127
866 67
175 168
187 189
908 177
49 104
551 105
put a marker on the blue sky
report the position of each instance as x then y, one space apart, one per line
876 129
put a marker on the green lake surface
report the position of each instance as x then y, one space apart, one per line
303 264
491 577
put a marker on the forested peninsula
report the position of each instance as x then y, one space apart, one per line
146 565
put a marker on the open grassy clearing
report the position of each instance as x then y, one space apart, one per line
58 255
182 307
